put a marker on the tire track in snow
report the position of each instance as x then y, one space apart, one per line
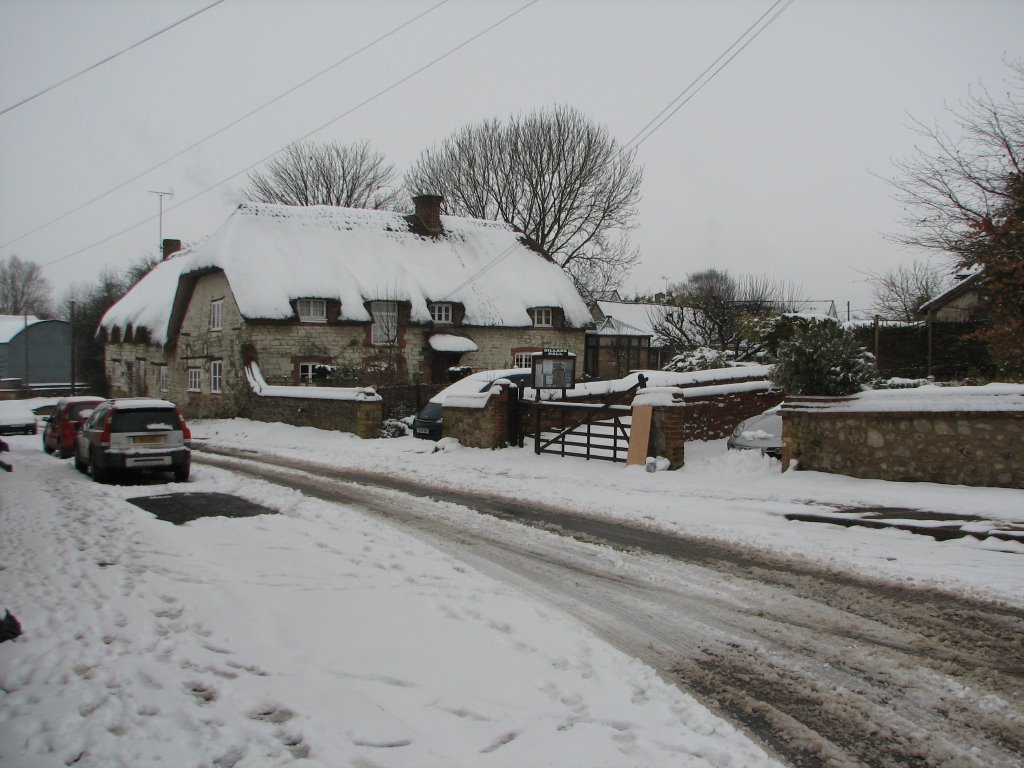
827 669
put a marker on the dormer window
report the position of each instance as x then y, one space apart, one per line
441 313
312 310
542 317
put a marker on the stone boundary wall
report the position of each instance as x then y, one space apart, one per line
363 418
979 448
714 417
486 427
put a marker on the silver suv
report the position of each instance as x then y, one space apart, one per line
134 434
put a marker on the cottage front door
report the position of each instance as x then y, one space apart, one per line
440 362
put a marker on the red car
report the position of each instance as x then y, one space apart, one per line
63 424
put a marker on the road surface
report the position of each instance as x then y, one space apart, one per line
825 669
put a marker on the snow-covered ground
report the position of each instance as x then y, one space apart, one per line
324 637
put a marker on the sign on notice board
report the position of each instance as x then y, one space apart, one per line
554 371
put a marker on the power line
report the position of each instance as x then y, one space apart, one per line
222 129
707 69
109 58
625 147
715 73
348 112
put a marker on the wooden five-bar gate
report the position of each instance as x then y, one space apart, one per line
583 429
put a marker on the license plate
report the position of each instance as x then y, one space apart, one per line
422 431
148 440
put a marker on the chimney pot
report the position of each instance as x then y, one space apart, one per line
171 247
428 211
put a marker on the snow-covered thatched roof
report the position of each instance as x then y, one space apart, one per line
274 254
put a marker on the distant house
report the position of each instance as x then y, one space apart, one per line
625 338
34 353
303 289
960 302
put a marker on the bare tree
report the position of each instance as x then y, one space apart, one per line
964 196
307 173
899 293
711 306
23 289
554 174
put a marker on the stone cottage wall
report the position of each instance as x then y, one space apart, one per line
499 345
133 370
983 448
360 417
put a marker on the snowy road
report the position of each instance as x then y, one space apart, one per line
825 669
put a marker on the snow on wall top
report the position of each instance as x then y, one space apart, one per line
11 325
273 254
931 398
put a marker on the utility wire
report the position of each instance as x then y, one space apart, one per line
348 112
109 58
723 65
625 147
224 128
699 77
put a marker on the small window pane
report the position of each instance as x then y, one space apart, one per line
385 322
313 310
441 313
217 314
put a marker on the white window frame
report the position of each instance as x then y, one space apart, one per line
523 359
306 380
217 315
195 379
543 317
162 377
384 331
441 313
312 310
216 376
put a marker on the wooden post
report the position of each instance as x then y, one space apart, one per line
877 343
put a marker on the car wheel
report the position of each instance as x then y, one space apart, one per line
46 448
99 474
79 464
181 473
64 453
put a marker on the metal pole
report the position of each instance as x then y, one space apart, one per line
160 242
72 332
28 377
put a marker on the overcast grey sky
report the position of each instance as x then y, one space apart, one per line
771 169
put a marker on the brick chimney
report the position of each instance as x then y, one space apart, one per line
171 247
428 211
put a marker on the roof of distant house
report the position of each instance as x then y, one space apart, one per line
631 319
965 279
274 254
11 325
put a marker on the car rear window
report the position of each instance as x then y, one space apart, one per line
74 410
145 420
431 411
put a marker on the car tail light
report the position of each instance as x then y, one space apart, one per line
186 433
105 434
